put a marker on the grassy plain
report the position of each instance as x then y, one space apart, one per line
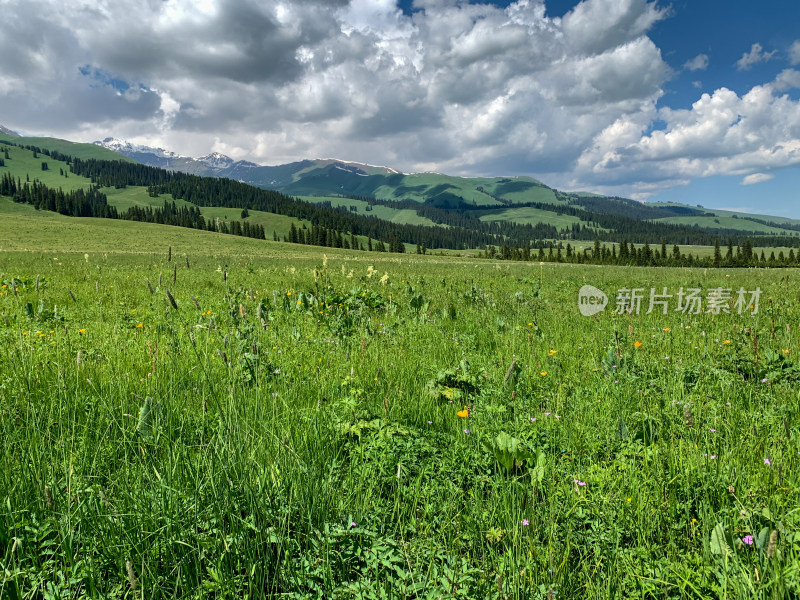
290 422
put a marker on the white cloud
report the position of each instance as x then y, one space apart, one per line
794 53
755 56
455 87
721 134
757 178
698 63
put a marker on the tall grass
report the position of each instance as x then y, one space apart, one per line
293 431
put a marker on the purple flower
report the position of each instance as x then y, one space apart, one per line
353 524
579 482
748 539
525 522
764 380
533 419
430 422
546 414
712 430
767 462
466 431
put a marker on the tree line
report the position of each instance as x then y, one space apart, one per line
627 254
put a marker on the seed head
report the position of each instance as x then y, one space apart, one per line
773 541
131 575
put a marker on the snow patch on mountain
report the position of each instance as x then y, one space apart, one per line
216 160
126 147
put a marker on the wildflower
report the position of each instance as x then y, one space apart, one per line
764 380
666 328
81 331
629 499
140 325
748 539
353 524
525 522
786 352
767 462
637 344
726 341
546 414
533 419
543 373
579 482
553 352
712 430
466 431
430 422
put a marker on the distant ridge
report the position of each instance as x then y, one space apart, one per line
9 132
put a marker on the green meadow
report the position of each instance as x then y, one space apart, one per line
192 415
25 166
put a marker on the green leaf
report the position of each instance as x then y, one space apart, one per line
719 544
147 414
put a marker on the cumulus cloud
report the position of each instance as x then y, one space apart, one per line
755 56
721 134
698 63
756 178
456 87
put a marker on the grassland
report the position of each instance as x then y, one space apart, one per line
22 164
531 216
727 222
288 422
387 213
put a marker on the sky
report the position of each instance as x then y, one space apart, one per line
693 101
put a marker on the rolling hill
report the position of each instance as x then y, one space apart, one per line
432 209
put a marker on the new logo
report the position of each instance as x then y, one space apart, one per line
591 300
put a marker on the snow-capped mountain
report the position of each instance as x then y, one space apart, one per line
125 147
216 160
303 177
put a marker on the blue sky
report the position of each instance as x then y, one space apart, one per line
696 101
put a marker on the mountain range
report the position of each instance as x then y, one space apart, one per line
330 177
420 198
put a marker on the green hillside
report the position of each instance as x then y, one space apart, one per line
331 178
74 149
362 207
22 164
